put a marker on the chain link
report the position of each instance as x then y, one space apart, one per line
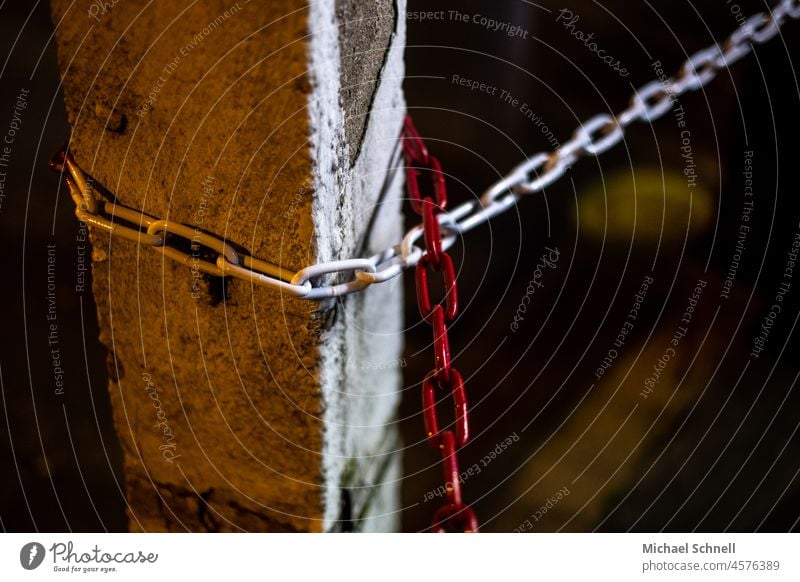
593 137
455 515
439 230
604 131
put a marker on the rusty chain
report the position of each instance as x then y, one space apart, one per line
593 137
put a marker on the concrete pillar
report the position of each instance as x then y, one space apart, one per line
275 125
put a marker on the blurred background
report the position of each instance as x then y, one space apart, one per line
714 446
648 382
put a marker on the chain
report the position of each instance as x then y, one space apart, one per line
455 514
604 131
219 258
592 138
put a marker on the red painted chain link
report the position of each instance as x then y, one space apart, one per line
417 157
455 515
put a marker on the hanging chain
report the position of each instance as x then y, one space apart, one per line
592 138
455 515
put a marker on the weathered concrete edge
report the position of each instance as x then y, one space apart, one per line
370 397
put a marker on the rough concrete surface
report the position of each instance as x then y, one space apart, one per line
274 125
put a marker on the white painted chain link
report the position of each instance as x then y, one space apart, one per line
592 138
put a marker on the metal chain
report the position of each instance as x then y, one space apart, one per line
170 238
604 131
593 137
454 514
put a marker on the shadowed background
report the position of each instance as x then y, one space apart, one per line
713 446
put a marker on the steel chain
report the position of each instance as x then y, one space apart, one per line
454 515
593 137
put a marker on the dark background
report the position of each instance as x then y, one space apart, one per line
721 455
